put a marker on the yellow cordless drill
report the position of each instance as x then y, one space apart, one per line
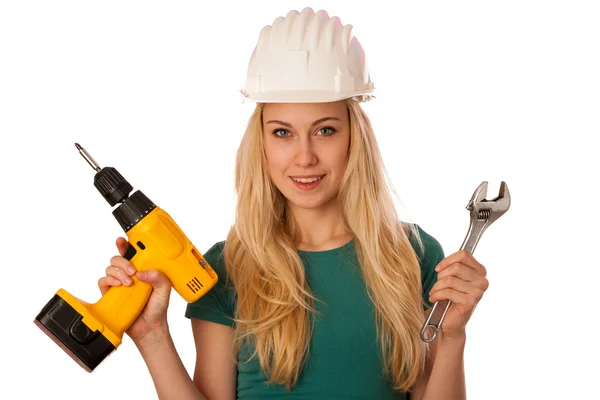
90 332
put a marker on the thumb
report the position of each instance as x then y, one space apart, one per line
159 282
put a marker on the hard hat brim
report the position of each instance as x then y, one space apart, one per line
305 96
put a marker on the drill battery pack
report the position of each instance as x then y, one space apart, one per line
64 325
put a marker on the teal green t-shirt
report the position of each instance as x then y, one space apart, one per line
344 360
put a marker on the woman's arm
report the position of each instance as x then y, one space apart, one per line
215 373
444 374
462 280
168 373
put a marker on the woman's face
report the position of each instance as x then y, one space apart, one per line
307 149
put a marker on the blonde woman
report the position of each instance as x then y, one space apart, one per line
322 290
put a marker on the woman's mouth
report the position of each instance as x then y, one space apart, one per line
307 182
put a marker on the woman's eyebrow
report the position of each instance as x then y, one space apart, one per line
321 120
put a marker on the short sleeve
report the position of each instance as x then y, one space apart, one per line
217 305
429 258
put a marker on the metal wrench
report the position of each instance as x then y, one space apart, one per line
483 214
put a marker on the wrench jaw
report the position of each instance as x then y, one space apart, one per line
489 210
479 195
502 201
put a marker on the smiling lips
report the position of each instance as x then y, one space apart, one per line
306 181
306 178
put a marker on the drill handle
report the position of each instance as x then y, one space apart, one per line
157 242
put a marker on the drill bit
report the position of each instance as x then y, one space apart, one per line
87 157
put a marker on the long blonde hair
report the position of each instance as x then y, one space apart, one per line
274 301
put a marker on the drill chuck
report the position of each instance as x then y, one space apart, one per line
112 185
109 182
115 189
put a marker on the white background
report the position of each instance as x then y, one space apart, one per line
467 91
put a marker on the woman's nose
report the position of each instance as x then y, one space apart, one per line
305 155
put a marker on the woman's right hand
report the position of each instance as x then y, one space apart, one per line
154 315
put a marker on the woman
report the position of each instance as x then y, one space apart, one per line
322 289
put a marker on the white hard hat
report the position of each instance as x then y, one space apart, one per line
307 58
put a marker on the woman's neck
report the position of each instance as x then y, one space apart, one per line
320 228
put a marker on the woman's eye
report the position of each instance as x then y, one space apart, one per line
327 131
281 133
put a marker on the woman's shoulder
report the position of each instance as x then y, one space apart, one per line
215 257
216 250
428 249
218 304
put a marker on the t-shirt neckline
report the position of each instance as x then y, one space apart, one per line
326 253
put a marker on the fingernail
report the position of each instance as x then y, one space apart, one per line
128 281
130 269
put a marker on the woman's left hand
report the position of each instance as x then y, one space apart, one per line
462 280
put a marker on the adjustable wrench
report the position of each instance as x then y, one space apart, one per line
483 214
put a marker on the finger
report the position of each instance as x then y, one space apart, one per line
103 284
122 245
464 303
119 274
466 275
460 271
123 263
106 282
452 282
463 257
159 282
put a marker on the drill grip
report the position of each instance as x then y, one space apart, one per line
120 306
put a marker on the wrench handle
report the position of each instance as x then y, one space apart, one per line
439 310
434 320
473 236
